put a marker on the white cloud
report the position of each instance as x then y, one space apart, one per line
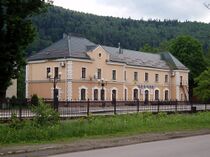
191 10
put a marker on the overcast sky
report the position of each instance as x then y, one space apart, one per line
191 10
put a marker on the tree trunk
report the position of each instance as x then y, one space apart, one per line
2 94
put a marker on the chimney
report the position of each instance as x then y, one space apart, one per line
120 51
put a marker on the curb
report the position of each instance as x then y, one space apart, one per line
91 144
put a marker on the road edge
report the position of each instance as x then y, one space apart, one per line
90 144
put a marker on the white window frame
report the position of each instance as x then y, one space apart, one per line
133 92
158 95
166 89
105 90
98 92
114 88
148 94
136 76
85 72
115 75
145 77
86 92
46 71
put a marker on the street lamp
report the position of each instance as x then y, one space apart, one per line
55 80
102 83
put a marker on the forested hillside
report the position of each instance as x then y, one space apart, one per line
132 34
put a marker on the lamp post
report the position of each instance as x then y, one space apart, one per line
102 83
55 80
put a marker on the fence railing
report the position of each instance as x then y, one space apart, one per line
70 109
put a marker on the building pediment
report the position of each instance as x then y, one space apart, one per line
99 53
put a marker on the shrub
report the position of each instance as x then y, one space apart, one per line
45 115
13 101
15 122
34 100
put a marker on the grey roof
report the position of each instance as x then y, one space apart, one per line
76 47
136 58
172 62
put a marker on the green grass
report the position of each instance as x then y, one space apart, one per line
102 126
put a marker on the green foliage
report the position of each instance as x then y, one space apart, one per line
45 115
189 51
103 126
13 101
35 100
21 84
203 85
147 48
132 34
16 32
15 122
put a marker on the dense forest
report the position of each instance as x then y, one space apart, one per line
132 34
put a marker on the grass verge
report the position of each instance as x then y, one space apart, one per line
103 127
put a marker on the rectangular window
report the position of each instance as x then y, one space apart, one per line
146 77
48 72
83 72
125 94
113 74
166 78
125 76
156 77
181 80
136 76
56 72
99 73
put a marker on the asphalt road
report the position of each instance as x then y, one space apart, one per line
197 146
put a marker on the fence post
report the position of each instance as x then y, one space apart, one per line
88 107
20 111
176 106
137 105
158 106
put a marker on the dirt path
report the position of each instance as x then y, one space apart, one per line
81 145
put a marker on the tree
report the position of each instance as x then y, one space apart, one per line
203 85
16 32
189 51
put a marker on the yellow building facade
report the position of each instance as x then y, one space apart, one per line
96 72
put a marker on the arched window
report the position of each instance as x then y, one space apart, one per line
102 94
126 94
166 95
135 94
146 93
156 94
114 94
95 93
83 94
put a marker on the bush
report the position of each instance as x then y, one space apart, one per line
45 115
15 122
34 100
13 101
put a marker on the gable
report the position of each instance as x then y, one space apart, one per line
99 53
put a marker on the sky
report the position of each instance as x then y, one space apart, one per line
182 10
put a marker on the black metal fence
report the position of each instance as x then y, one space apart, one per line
71 109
